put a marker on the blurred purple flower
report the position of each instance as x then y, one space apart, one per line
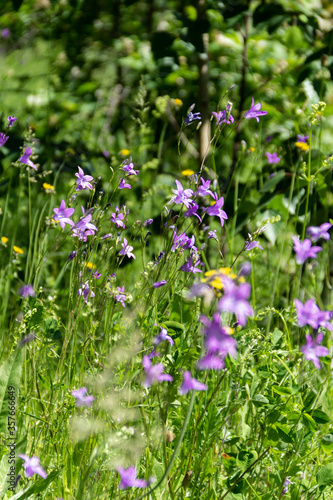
124 185
216 209
204 189
62 215
249 245
189 266
128 167
11 120
302 138
127 250
72 255
83 181
5 33
121 297
272 158
107 236
245 269
31 466
129 480
148 222
154 354
304 250
162 336
3 139
81 398
158 284
213 235
286 485
254 111
319 232
235 300
84 290
211 361
106 153
26 160
224 116
154 373
308 313
190 384
182 195
312 350
26 291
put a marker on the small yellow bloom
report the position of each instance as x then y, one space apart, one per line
228 330
252 149
90 265
214 277
178 102
48 187
302 145
125 152
4 239
18 250
187 172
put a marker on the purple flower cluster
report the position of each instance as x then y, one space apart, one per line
224 116
304 250
312 350
218 344
310 314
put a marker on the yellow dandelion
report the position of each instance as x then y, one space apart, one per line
125 152
48 187
18 250
214 277
228 330
90 265
187 172
178 102
252 149
4 239
302 145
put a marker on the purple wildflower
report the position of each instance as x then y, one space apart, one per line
249 245
26 291
121 297
154 354
3 139
31 466
117 218
124 185
304 250
148 222
191 384
128 167
107 236
213 235
302 138
11 120
224 116
216 209
85 291
26 160
312 350
235 300
72 255
204 189
158 284
189 266
319 232
193 211
211 361
129 480
84 228
127 249
192 116
154 373
182 195
254 111
162 336
5 33
81 398
272 158
286 485
308 313
62 214
245 269
83 181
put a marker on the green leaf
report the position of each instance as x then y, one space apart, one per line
10 374
309 399
320 417
276 336
325 475
327 443
246 458
259 400
178 327
284 433
309 422
37 487
283 391
273 181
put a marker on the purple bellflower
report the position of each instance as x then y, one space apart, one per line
26 160
84 290
216 209
235 300
31 466
249 245
319 232
286 485
81 398
218 344
308 313
84 227
204 189
3 139
304 250
121 297
11 121
272 158
190 384
158 284
224 116
83 181
127 250
189 266
124 185
128 167
193 211
163 335
129 480
154 354
192 116
312 350
62 215
117 218
182 195
154 373
26 291
254 111
302 138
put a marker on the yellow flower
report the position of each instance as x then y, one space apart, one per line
252 149
125 152
48 187
90 265
187 172
214 277
178 102
4 239
18 249
302 145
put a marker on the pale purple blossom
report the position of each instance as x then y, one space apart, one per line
162 336
190 266
3 139
312 350
213 235
26 291
182 195
81 397
121 297
154 354
83 181
224 116
204 189
127 250
11 120
62 214
272 158
193 211
148 222
182 241
129 480
235 300
154 373
85 291
216 209
249 245
308 313
192 116
31 466
304 250
5 33
286 485
211 361
84 227
26 160
254 111
124 185
128 167
191 384
158 284
319 232
302 138
117 218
